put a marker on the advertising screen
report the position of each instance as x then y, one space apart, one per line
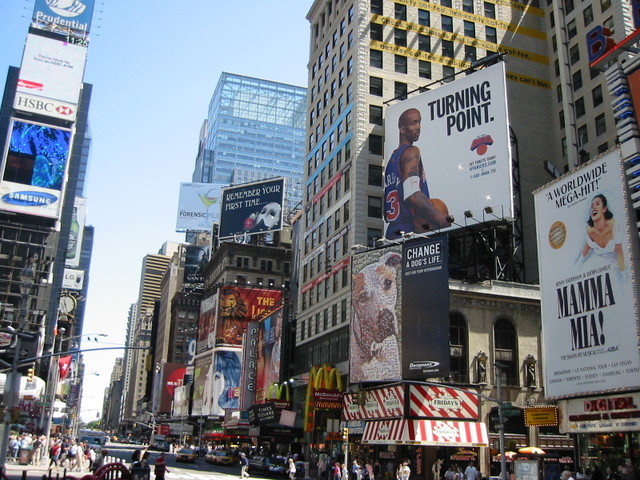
198 206
67 15
195 260
202 377
400 324
238 307
587 260
172 378
35 163
269 354
207 323
252 208
76 232
52 69
447 151
220 384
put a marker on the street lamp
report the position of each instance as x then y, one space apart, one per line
503 459
12 384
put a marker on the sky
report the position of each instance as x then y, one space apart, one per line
154 67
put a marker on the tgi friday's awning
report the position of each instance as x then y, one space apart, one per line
426 432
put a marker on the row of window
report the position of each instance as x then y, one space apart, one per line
323 321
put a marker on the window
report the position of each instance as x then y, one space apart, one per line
552 20
587 15
400 63
469 29
447 23
400 90
424 43
583 135
568 6
375 86
458 351
448 74
445 3
373 234
349 66
349 99
580 110
341 78
375 31
424 18
469 53
447 48
424 69
400 37
400 11
572 29
556 67
559 93
608 23
604 5
596 95
554 43
505 353
375 58
491 34
563 146
375 144
561 118
375 175
467 6
574 54
577 80
375 114
603 147
601 124
489 10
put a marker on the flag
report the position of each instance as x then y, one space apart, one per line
63 366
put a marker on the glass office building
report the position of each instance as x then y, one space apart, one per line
255 130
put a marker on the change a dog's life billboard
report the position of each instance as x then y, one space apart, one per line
459 133
588 263
252 208
400 305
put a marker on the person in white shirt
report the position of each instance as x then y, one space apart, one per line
470 473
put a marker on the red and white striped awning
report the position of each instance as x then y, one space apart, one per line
426 432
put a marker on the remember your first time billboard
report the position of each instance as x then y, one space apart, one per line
252 208
588 261
400 323
451 146
34 169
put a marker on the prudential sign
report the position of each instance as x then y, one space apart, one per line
70 14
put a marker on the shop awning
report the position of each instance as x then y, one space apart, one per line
426 432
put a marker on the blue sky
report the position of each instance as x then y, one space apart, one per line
154 67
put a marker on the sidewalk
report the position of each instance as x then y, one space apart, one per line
14 471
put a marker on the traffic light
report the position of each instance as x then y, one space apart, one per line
30 374
345 434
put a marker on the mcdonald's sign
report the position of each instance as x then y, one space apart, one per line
327 382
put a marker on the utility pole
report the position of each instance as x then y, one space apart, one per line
503 460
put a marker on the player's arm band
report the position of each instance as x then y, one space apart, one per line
410 186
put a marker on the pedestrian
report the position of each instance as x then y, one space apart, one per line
436 469
160 469
291 469
471 473
54 454
244 466
337 471
404 472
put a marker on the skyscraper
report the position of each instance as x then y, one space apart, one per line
254 130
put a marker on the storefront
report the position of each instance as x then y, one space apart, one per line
607 428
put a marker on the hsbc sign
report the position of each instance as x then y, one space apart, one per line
45 106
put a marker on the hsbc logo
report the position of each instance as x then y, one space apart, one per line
44 107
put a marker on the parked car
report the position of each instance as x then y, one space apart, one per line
221 457
278 467
259 465
186 455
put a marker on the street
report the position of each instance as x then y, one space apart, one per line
177 471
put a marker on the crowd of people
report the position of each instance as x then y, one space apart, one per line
63 453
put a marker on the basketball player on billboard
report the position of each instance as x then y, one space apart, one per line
408 206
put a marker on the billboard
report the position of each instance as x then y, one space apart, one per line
207 323
198 206
73 279
67 15
400 324
217 383
195 261
51 69
238 307
45 106
76 232
172 377
460 161
269 354
587 260
252 208
35 164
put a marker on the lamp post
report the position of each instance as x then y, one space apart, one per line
12 384
503 460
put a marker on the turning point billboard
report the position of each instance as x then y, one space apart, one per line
588 261
400 304
450 145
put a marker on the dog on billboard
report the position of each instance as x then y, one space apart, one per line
375 329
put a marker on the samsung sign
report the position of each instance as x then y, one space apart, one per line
69 14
